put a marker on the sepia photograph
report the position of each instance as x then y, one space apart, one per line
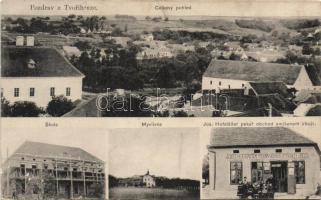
154 164
56 165
161 60
261 163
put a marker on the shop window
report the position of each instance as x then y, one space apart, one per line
236 151
257 151
257 171
298 150
278 150
236 173
299 172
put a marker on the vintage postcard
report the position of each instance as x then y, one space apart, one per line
160 99
160 58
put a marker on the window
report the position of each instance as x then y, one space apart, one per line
211 82
236 151
68 91
22 158
32 92
52 91
16 92
257 151
229 86
45 166
242 85
299 172
220 83
298 150
235 173
1 92
257 171
278 150
34 166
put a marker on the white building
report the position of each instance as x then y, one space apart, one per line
149 53
149 180
37 74
227 74
70 51
259 153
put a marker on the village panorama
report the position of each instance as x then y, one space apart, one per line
160 66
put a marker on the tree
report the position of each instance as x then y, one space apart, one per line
307 50
25 109
59 105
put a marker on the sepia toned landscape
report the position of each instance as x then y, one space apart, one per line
163 66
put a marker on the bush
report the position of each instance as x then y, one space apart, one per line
58 106
25 109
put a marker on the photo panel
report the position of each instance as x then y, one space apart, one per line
64 163
261 162
158 163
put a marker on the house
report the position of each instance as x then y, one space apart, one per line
37 74
151 53
73 172
149 180
228 74
70 51
259 153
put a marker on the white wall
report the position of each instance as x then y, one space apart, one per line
222 178
225 83
303 81
42 87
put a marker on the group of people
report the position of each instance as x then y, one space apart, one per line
258 190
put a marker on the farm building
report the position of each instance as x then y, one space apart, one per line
227 74
260 153
54 170
37 74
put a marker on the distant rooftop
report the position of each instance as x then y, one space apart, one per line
48 62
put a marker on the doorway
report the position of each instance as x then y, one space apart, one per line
280 176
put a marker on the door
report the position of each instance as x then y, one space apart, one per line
280 176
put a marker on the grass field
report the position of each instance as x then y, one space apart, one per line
151 193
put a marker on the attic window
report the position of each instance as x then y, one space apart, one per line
278 150
236 151
257 151
298 150
31 64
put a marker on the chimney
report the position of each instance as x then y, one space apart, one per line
19 40
30 41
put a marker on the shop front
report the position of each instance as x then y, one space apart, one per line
290 168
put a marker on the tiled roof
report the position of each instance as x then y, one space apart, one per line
48 63
55 151
253 71
256 136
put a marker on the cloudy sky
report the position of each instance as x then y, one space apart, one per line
164 152
148 7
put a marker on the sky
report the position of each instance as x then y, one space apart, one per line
164 152
94 141
262 8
